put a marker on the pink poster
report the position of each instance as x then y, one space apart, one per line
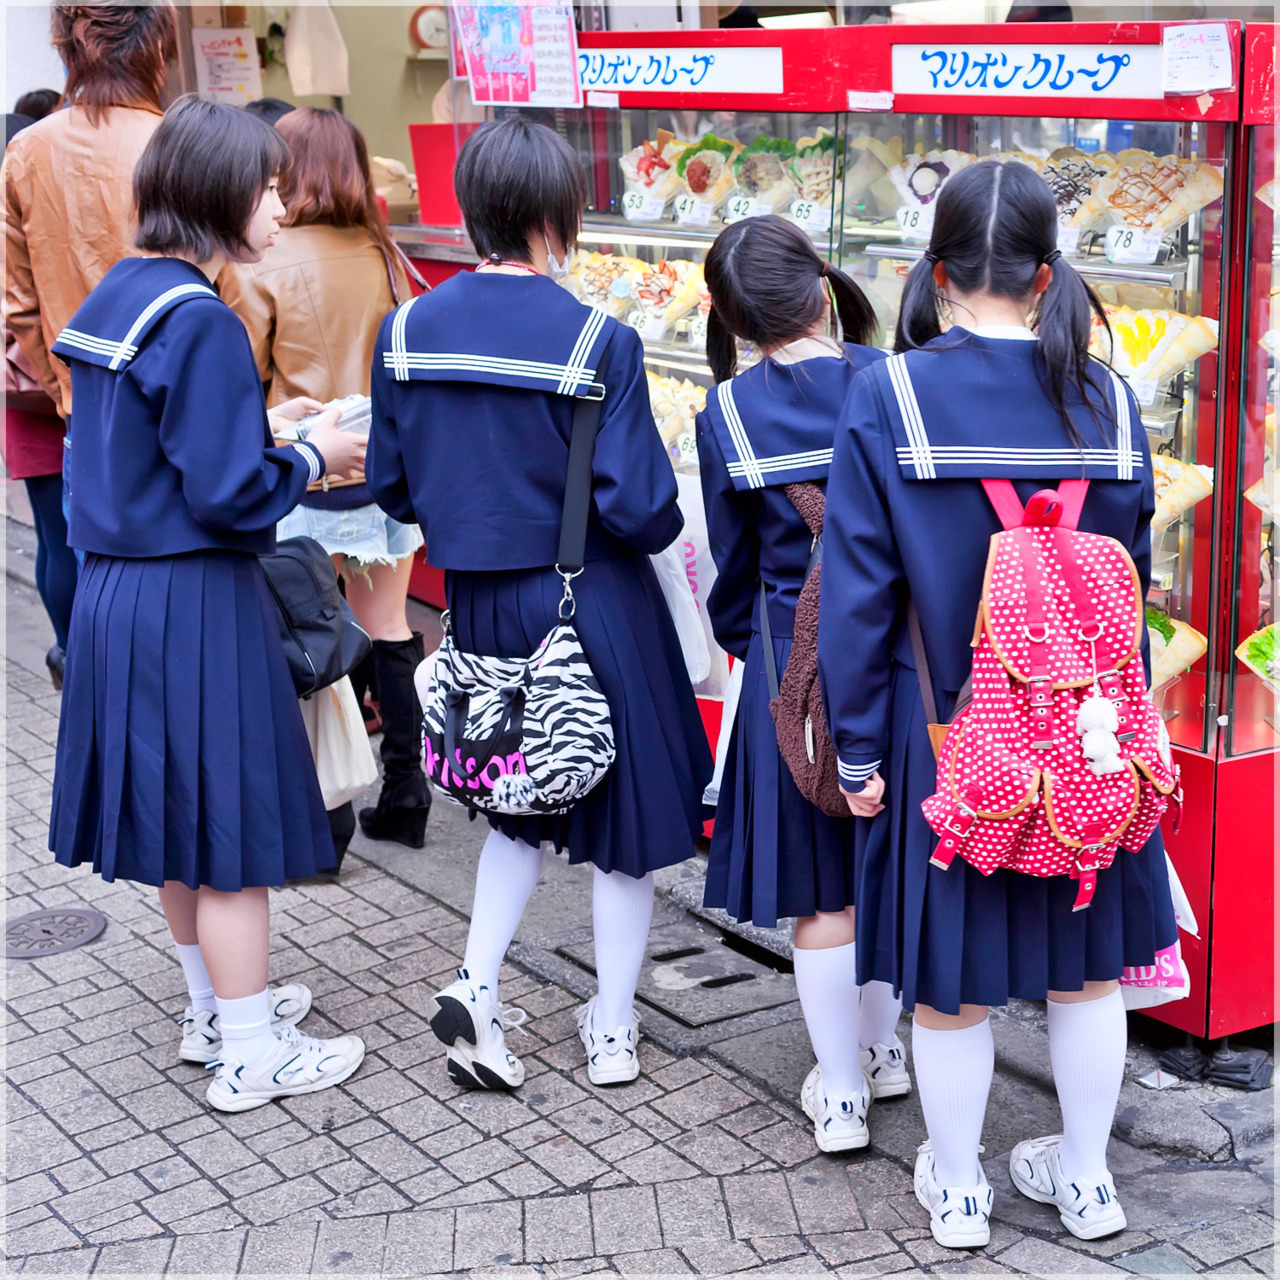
520 54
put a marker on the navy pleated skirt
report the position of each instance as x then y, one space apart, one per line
647 811
773 853
181 750
946 938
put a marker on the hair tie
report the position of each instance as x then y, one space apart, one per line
824 270
931 257
1051 257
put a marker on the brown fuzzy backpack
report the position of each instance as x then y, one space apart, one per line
796 704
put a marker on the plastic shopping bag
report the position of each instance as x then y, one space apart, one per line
730 713
1144 987
669 566
700 570
340 746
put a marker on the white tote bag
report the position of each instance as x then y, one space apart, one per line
340 746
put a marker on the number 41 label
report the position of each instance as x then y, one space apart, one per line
1129 245
692 212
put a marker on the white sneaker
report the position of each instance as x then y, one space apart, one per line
960 1217
202 1039
1088 1210
299 1065
839 1124
885 1065
611 1056
465 1017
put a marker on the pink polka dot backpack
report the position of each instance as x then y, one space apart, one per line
1059 760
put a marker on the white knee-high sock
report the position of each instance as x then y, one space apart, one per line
245 1024
621 909
827 983
878 1013
1086 1047
199 984
953 1074
505 880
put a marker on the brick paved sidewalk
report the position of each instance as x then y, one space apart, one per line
117 1165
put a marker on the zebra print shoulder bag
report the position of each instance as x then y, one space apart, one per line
532 735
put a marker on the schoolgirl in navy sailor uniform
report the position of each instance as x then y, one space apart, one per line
472 406
773 853
907 518
182 761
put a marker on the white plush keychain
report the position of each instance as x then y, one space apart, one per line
1096 725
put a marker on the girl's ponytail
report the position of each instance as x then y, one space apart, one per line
1063 324
918 314
853 308
722 348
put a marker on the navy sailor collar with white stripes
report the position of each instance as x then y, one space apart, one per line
113 322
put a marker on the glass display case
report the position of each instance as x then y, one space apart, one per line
1164 207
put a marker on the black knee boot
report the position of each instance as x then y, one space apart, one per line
401 812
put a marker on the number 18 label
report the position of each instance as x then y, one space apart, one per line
915 225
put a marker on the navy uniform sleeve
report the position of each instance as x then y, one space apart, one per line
634 486
863 588
384 463
213 421
1140 544
732 524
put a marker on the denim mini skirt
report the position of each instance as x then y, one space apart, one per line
366 535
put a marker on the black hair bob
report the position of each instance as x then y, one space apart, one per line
996 225
515 178
766 282
201 177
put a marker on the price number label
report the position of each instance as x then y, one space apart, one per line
698 332
637 207
915 225
651 328
692 212
1068 241
1129 245
740 207
1144 391
689 448
811 215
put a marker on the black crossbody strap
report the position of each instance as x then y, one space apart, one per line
577 489
922 665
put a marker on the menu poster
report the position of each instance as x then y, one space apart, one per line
1196 58
520 53
226 65
457 58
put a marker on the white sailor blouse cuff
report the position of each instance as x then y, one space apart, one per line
315 460
854 777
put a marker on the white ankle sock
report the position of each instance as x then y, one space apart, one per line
505 881
199 987
621 909
953 1075
246 1029
878 1012
1086 1047
827 983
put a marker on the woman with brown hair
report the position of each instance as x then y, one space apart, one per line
68 195
312 307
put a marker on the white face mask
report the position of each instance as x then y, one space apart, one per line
556 269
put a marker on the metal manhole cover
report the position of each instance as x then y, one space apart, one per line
693 977
48 933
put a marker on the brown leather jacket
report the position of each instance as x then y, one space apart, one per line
68 188
312 307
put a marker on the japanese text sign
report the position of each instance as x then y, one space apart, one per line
1088 71
226 65
722 71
